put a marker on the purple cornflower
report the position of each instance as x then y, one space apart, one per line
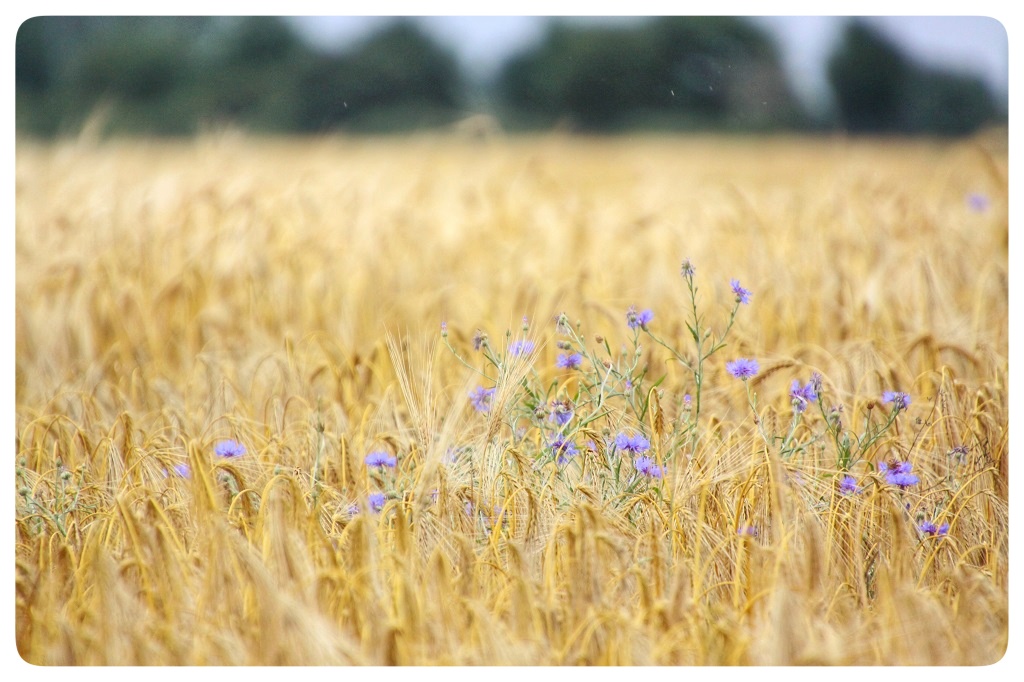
444 329
977 202
568 360
635 444
641 319
377 501
561 412
801 397
899 399
520 347
687 402
481 397
564 449
742 295
848 486
381 459
647 467
748 530
181 470
897 473
479 339
742 368
229 449
929 528
687 269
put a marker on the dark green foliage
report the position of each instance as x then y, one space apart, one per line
180 75
707 72
880 90
174 75
397 79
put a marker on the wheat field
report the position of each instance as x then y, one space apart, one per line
288 295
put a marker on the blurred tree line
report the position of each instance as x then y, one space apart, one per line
180 75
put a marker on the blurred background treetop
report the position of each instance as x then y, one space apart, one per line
183 75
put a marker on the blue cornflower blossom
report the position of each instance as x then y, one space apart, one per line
181 470
898 398
742 368
229 449
848 486
377 501
929 528
564 449
520 347
561 412
977 202
568 360
897 473
647 467
380 459
801 397
641 319
481 397
635 444
742 295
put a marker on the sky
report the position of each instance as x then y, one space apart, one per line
976 45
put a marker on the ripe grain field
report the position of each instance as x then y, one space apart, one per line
243 438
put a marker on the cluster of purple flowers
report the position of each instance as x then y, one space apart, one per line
381 459
641 319
897 473
564 449
748 530
742 295
481 397
569 360
899 399
633 444
802 397
742 368
647 467
929 528
229 449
